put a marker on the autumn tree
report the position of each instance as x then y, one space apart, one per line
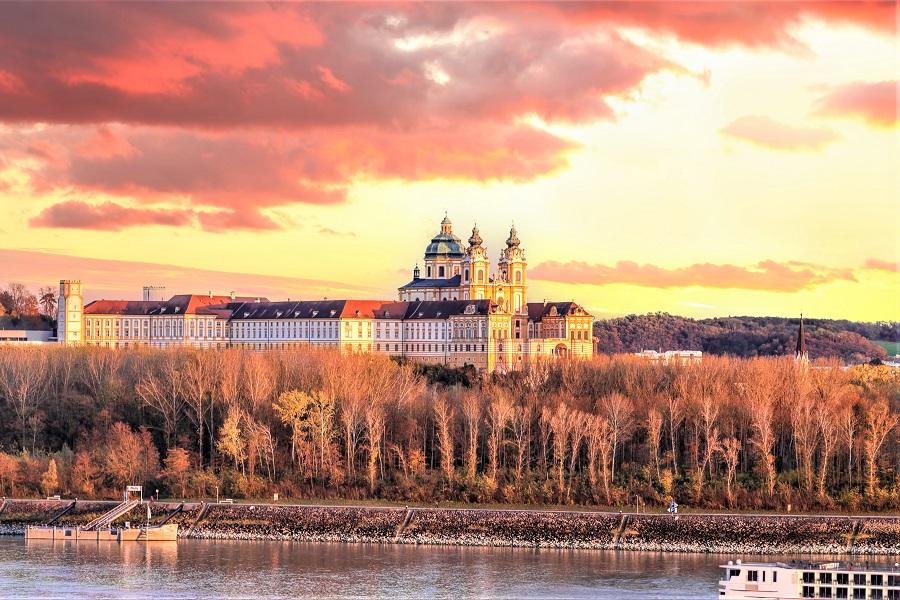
50 480
177 469
129 458
231 438
84 473
293 409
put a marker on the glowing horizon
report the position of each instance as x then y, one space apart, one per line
701 159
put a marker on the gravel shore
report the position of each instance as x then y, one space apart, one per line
732 534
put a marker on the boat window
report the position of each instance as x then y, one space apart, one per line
840 593
68 533
824 592
809 591
859 579
876 594
774 576
825 578
876 580
734 573
894 580
893 594
764 575
843 578
809 577
752 575
859 594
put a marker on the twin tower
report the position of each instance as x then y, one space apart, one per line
456 273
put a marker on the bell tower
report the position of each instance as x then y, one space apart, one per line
70 315
476 268
512 267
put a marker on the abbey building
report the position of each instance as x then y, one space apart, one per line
459 312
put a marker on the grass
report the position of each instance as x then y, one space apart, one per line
893 348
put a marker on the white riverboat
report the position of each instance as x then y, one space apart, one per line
802 579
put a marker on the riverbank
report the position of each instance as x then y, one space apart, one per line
696 532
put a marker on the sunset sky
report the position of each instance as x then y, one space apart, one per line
703 159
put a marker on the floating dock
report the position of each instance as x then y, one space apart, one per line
161 533
101 529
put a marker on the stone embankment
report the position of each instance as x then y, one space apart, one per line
730 534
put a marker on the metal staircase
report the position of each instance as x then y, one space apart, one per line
105 519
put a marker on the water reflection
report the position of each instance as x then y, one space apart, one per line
267 569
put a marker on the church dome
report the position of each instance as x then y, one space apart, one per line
445 244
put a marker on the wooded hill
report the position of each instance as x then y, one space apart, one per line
852 342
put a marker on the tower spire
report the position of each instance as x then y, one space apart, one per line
800 353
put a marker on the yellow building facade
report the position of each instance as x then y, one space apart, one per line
461 313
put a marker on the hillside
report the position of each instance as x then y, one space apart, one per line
745 336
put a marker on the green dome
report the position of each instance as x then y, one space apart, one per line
444 245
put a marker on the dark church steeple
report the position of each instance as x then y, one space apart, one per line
800 353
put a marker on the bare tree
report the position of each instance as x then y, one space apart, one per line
198 386
879 423
654 435
22 384
499 414
618 412
471 417
760 387
161 389
730 448
443 419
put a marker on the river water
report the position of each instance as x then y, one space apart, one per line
191 568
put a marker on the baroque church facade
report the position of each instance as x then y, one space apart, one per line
460 313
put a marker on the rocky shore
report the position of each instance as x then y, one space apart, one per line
730 534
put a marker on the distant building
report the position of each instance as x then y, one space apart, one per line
679 356
22 330
459 314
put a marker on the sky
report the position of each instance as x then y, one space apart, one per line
697 158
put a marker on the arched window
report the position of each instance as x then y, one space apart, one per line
518 276
441 272
466 273
480 275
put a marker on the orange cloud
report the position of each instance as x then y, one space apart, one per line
242 172
767 275
883 265
769 133
874 103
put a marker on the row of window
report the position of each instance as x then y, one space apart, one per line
146 328
810 591
874 579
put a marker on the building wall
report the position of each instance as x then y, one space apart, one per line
69 317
